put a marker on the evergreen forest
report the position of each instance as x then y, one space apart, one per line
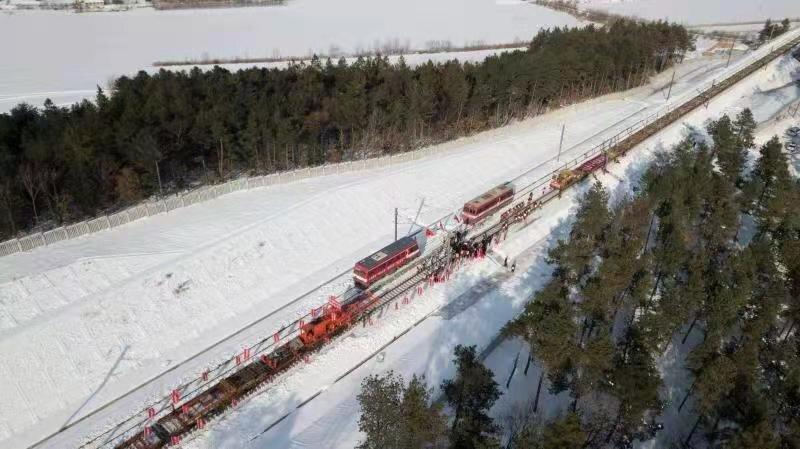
166 131
677 303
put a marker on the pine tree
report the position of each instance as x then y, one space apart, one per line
471 394
729 147
398 416
559 433
769 187
381 413
548 325
424 424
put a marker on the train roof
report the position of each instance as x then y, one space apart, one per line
491 194
391 249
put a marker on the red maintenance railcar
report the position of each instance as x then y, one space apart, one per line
488 203
567 177
383 262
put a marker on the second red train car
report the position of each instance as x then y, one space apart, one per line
379 264
481 207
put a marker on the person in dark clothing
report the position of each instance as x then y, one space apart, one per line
514 266
505 262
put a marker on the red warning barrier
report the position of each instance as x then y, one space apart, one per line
270 363
185 409
238 359
176 396
277 337
246 353
405 300
175 440
234 402
204 375
151 412
334 302
313 312
147 432
200 424
301 323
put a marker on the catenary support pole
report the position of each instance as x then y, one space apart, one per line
395 224
158 174
730 52
669 93
561 143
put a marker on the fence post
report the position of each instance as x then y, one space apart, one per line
19 245
108 222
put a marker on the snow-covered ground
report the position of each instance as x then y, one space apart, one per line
470 310
65 56
700 11
88 319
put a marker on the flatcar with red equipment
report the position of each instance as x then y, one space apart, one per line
481 207
567 177
191 415
385 261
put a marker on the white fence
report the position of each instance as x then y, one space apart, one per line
190 197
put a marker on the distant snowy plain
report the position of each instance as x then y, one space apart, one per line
65 56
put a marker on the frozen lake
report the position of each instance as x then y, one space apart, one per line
65 56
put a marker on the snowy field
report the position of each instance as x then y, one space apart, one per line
86 320
65 56
700 11
471 309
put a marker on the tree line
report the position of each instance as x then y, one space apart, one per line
702 260
772 30
59 164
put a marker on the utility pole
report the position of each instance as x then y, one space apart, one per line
558 158
158 174
395 224
708 99
730 52
767 64
669 93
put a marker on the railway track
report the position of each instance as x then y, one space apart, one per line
429 266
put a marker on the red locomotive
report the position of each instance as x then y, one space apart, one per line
486 204
383 262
